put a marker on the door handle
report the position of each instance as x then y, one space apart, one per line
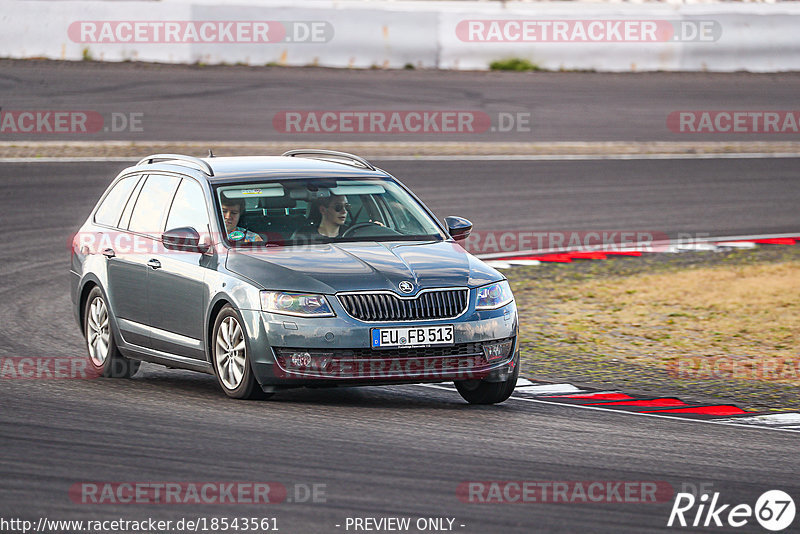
154 263
109 253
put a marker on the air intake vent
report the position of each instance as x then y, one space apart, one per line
435 304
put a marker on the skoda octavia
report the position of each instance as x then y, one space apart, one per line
313 268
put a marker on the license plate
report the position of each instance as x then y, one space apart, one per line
412 336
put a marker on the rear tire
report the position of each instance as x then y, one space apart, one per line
231 357
482 392
105 358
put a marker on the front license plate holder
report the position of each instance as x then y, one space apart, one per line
412 336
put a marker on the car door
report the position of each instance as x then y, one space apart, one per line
177 288
144 224
125 271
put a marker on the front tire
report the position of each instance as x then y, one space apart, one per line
482 392
105 358
231 357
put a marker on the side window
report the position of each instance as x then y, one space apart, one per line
152 204
110 210
189 207
126 214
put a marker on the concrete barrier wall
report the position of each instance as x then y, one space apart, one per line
727 37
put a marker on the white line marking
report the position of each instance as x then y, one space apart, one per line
791 418
737 244
71 160
587 157
523 262
639 414
469 157
697 247
549 389
523 382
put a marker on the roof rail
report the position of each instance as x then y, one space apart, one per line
359 161
202 165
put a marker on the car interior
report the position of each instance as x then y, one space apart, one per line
276 213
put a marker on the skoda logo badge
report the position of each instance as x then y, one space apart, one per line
406 287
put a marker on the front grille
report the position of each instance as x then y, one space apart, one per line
436 304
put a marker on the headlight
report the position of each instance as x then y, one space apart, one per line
299 304
493 296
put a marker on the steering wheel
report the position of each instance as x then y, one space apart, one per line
356 227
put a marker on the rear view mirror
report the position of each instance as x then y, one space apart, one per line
458 227
186 239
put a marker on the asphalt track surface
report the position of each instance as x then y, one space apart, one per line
195 103
390 451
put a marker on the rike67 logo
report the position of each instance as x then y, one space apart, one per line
774 510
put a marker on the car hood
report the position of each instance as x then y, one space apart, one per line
335 267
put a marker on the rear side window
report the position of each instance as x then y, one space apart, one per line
111 208
189 208
151 206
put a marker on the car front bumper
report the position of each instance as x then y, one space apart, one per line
292 351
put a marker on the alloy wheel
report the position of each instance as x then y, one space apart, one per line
230 353
97 332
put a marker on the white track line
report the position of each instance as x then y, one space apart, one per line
131 159
622 412
791 418
588 157
521 262
469 157
549 389
737 244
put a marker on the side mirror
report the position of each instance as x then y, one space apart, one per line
458 227
186 239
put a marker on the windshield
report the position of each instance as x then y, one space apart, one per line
322 210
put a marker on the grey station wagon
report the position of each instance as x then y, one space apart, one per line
313 268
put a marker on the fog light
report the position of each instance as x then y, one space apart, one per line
496 351
301 359
306 360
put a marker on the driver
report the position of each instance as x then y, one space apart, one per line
326 218
333 213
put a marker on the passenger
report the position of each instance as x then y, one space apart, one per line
232 209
